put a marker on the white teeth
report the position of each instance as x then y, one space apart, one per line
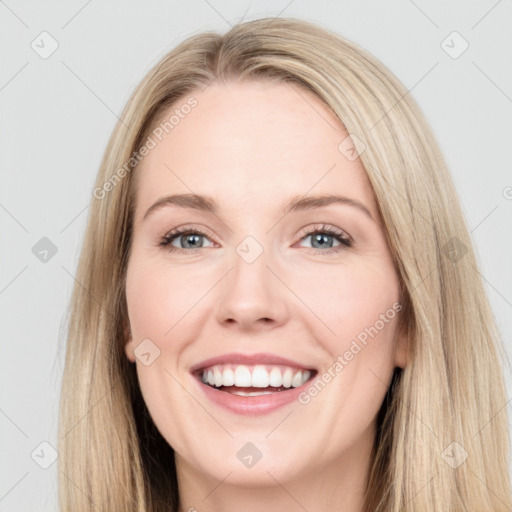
297 380
258 376
228 377
218 376
287 378
243 377
275 377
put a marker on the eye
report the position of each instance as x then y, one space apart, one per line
188 238
323 237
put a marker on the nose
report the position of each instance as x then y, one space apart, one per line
251 296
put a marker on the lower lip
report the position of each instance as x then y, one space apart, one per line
251 405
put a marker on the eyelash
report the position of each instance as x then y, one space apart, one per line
341 236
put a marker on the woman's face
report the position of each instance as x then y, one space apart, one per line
310 288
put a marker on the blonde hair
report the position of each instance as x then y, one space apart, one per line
111 455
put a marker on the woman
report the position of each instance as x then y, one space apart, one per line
324 340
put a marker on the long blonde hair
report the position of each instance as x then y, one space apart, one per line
442 439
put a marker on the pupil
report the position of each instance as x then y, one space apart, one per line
321 238
192 239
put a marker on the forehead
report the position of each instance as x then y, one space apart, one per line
251 144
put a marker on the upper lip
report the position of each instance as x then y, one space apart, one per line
249 359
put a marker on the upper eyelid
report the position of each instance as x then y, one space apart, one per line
324 227
182 230
307 231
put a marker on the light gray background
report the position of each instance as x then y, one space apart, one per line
57 114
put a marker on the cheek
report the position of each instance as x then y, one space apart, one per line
149 304
158 298
361 306
358 307
350 299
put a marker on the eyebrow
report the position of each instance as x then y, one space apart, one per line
298 203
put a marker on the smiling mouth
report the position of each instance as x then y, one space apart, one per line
253 380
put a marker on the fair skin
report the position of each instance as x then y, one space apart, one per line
252 147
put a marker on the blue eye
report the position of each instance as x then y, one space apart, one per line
192 237
323 236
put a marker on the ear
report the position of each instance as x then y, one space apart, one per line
129 346
402 347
